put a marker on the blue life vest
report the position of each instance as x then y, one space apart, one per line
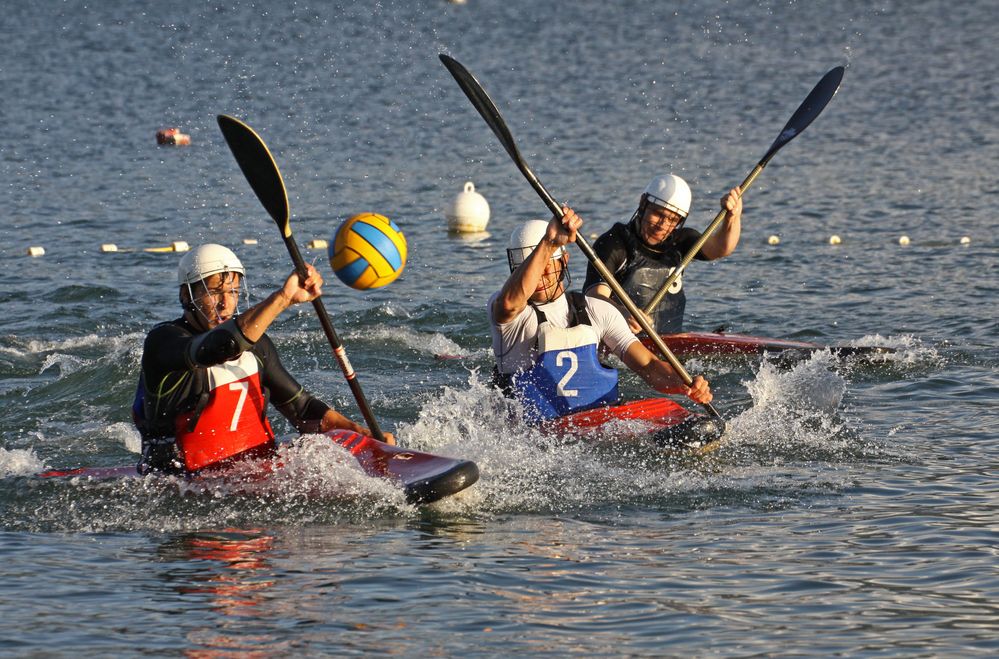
567 376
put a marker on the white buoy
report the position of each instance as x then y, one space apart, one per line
36 251
773 240
180 246
318 243
109 247
469 213
965 240
834 240
249 241
903 240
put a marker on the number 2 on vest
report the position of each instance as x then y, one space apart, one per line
567 355
244 388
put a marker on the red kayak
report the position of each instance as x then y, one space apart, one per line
669 424
693 344
424 477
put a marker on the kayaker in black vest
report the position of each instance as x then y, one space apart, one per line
643 253
546 342
206 377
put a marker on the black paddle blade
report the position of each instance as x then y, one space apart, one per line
480 99
693 433
259 168
809 109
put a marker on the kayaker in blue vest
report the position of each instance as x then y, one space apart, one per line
545 341
643 253
206 377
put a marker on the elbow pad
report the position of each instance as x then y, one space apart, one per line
222 344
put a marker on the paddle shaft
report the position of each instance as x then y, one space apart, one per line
264 177
338 350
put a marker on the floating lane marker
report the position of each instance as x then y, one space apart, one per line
835 240
965 240
903 240
175 246
317 243
36 250
773 240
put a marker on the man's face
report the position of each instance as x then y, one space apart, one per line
551 281
657 223
216 299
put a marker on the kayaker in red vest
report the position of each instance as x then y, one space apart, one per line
206 377
545 341
643 253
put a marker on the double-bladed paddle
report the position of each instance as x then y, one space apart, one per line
806 113
263 175
480 99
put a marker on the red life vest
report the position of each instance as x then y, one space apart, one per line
232 422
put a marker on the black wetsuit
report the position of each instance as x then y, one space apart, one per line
642 270
174 381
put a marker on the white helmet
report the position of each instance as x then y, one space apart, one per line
670 192
524 239
207 260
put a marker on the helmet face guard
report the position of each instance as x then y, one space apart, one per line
517 255
524 240
232 284
649 201
669 192
198 265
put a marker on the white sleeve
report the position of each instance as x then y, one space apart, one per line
610 326
513 342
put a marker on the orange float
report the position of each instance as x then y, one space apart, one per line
172 137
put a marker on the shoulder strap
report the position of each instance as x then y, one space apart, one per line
577 309
539 314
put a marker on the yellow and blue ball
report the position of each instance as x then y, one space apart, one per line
368 251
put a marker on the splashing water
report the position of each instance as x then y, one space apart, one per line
524 469
19 462
794 412
127 435
811 385
309 469
426 343
905 351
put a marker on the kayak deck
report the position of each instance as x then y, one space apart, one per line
424 477
671 425
718 343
